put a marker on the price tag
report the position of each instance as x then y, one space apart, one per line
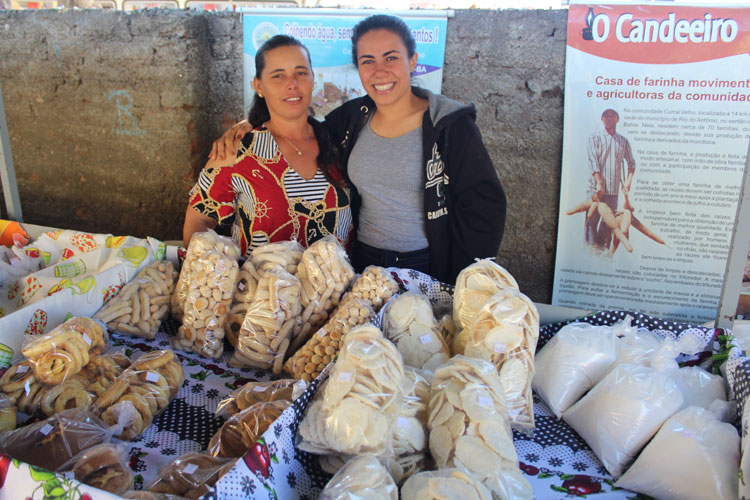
484 401
259 388
69 475
500 347
190 469
209 334
345 376
212 322
143 280
46 429
22 369
402 421
152 377
86 339
221 267
241 286
425 339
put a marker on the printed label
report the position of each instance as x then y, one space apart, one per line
152 377
221 267
425 339
190 468
499 347
345 376
86 339
46 429
22 369
241 286
259 388
402 421
484 401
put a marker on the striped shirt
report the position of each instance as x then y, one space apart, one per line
607 155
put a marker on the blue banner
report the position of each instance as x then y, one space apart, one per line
328 38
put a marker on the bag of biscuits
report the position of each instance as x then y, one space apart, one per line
361 478
267 329
212 283
104 466
411 325
142 304
355 410
243 296
445 484
191 475
63 352
21 388
320 349
256 392
375 285
284 255
325 273
8 414
242 430
200 243
142 391
470 429
505 333
474 285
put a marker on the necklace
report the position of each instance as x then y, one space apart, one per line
298 150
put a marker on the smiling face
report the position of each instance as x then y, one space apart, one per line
286 82
385 67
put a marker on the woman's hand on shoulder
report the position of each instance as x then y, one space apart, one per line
227 145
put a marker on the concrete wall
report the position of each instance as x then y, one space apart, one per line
111 115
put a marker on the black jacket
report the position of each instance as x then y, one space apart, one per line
464 201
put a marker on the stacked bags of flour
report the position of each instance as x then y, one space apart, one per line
619 388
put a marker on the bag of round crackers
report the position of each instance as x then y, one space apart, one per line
410 324
355 409
470 429
474 285
361 478
266 331
140 307
256 392
325 273
242 430
445 484
200 243
320 349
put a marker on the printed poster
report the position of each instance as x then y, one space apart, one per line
328 38
656 130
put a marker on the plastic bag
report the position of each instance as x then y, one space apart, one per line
256 392
622 412
142 304
470 428
63 352
637 348
238 434
410 324
70 394
362 478
505 332
267 328
572 362
320 349
191 475
448 330
279 255
52 442
200 243
8 417
692 457
148 495
142 391
699 388
325 273
104 466
243 296
375 284
355 409
445 484
102 370
21 387
474 285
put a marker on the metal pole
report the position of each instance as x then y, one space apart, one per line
7 172
730 291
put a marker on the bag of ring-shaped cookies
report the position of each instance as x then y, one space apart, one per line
63 352
200 243
212 282
355 409
142 304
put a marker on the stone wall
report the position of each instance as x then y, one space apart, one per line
111 115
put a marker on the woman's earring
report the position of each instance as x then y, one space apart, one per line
260 95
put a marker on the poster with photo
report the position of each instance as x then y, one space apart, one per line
327 35
656 131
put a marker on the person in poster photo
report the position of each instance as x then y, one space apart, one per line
609 154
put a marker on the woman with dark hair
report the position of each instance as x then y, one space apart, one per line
425 193
283 183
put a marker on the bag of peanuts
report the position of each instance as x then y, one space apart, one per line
142 391
411 325
375 284
325 273
200 243
505 333
324 345
256 392
212 282
355 409
266 331
63 352
142 304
